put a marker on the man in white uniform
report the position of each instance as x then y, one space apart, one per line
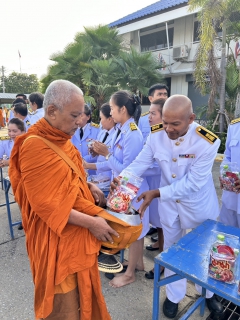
36 103
185 153
230 211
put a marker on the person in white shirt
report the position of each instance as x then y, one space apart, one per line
36 103
20 111
185 152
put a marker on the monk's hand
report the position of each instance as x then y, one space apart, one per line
101 230
98 195
147 197
114 184
100 148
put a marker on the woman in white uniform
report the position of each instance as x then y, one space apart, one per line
95 161
126 145
16 127
86 132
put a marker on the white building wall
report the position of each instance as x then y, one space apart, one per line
179 85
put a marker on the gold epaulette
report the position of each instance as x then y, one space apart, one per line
5 138
133 126
144 114
235 121
95 125
156 127
206 134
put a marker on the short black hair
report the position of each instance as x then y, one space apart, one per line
106 110
88 112
21 95
19 123
157 86
21 108
36 97
18 100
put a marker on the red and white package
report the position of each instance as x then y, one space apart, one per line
120 200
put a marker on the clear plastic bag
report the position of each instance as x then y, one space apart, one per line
229 174
120 200
223 258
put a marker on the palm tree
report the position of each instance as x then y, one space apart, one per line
138 71
213 14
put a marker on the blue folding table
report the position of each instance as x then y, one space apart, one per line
6 188
189 259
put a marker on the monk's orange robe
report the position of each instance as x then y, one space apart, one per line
46 190
1 119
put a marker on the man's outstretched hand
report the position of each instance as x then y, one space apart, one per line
147 197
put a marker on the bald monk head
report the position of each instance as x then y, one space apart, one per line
177 115
63 105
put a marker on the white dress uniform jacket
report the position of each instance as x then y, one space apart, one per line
36 115
27 123
125 147
152 174
6 146
143 125
186 189
231 200
91 131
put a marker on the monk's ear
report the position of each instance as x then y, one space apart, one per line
51 111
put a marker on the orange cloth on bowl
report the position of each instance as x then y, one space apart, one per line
46 190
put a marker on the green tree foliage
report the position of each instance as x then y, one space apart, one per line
20 82
99 64
214 15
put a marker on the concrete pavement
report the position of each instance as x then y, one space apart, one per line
130 302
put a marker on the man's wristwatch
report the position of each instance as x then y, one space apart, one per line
108 156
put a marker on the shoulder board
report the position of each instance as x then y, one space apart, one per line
95 125
235 121
5 138
133 126
206 134
144 114
156 127
28 122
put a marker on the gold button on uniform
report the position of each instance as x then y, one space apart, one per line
173 175
174 160
177 143
178 201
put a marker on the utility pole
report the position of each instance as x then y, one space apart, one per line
3 84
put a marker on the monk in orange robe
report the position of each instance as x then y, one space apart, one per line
59 215
1 119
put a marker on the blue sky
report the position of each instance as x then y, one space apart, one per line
38 28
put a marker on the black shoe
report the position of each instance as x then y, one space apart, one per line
170 308
20 227
150 248
151 231
214 305
150 274
154 238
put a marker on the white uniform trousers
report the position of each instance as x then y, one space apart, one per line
176 291
229 217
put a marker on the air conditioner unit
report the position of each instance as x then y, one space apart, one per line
180 52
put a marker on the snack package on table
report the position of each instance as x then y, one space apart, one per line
229 174
120 200
223 258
